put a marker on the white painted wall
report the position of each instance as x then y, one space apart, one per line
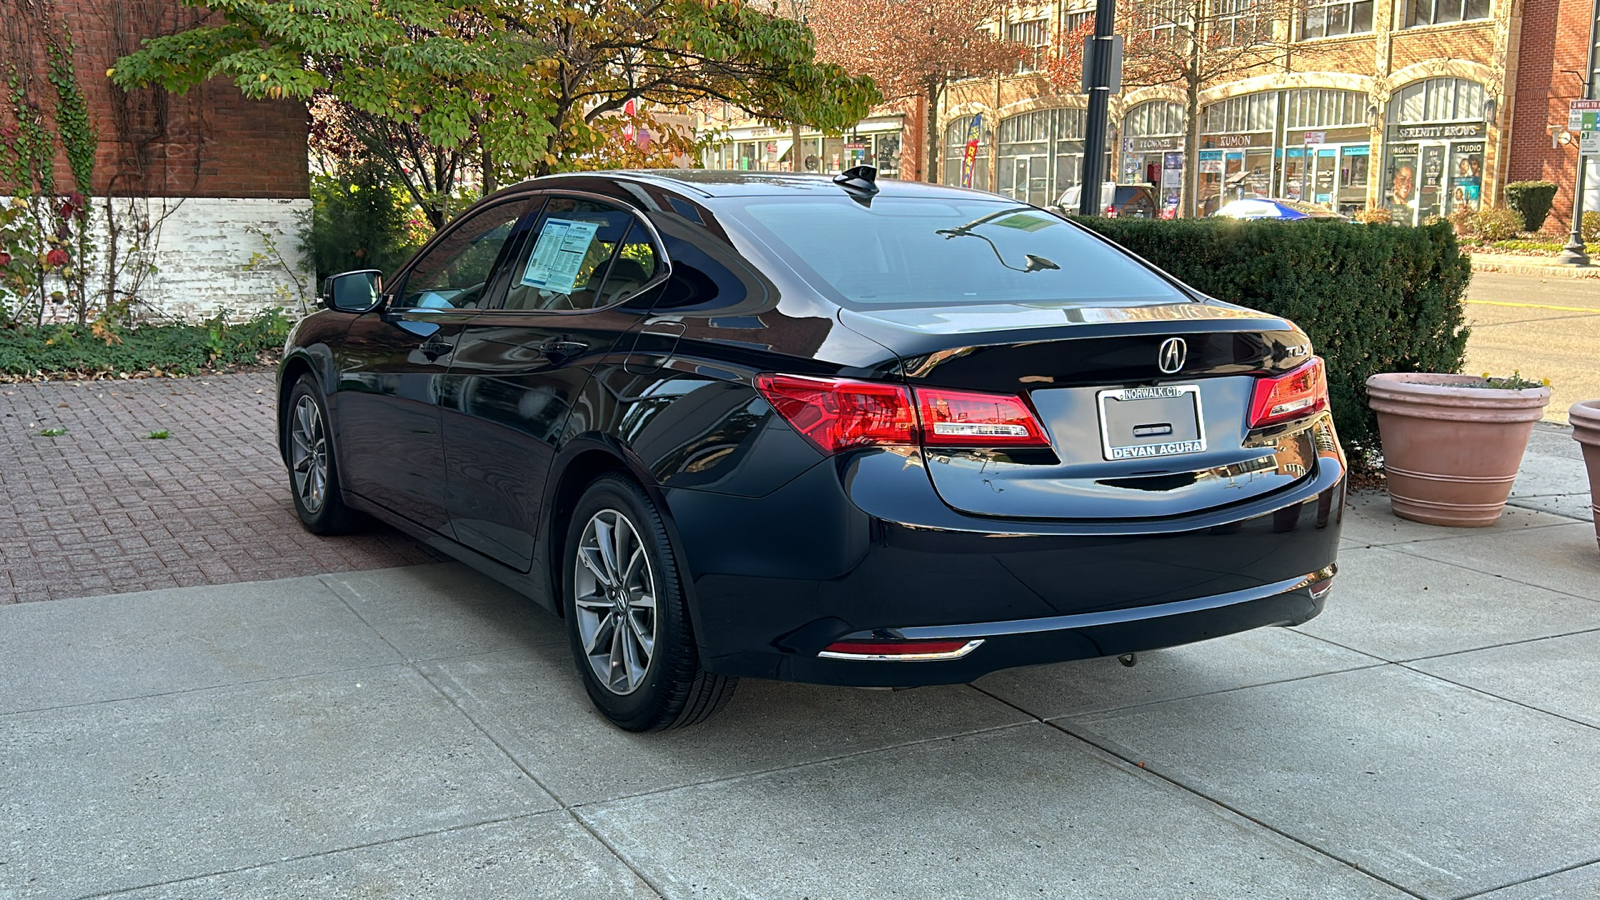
202 249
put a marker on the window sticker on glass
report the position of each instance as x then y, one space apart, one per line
558 256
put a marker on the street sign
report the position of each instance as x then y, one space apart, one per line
1581 115
1316 137
1588 142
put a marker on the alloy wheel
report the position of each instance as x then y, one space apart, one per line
308 454
615 601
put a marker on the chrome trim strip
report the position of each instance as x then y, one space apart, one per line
1111 616
905 657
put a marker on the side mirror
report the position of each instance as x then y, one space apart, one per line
355 292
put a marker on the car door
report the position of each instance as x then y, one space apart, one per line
572 292
395 358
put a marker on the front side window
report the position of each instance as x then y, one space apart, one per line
1443 12
454 272
565 262
932 252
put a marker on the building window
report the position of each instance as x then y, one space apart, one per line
1041 154
1163 20
1239 115
1438 100
1033 35
1237 23
1326 108
1332 18
1072 21
1443 12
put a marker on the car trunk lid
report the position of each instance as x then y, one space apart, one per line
1128 440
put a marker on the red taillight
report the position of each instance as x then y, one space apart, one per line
967 419
836 414
1290 396
901 650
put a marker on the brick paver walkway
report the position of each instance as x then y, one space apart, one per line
104 509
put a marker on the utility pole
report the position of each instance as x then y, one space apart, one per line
1575 253
1102 77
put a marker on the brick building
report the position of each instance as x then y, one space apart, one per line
1551 62
194 181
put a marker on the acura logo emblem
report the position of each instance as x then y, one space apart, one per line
1172 356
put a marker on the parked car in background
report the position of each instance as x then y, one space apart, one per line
1273 208
1127 201
817 429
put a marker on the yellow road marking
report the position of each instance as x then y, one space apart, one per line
1583 309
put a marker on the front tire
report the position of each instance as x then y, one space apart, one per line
627 620
313 468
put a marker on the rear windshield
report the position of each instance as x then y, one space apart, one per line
917 251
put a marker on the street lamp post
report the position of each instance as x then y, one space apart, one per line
1574 253
1102 71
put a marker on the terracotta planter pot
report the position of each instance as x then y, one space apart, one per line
1585 418
1451 451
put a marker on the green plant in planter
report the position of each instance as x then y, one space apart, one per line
1532 201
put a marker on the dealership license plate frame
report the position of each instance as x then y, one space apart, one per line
1150 450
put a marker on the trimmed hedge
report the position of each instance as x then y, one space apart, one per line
1373 298
1532 200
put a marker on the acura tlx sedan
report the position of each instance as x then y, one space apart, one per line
818 429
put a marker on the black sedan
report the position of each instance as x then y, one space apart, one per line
818 429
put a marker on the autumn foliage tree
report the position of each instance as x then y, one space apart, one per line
526 87
1189 45
915 48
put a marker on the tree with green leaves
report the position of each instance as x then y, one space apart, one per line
528 87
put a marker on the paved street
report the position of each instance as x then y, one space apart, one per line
1545 327
103 509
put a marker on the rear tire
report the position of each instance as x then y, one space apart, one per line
627 621
313 466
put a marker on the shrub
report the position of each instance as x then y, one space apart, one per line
1461 220
1590 229
175 349
1372 298
1531 200
358 221
1377 215
1494 223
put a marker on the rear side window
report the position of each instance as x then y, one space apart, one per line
923 251
582 255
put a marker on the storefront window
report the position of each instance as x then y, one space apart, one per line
1150 131
1041 154
1435 158
956 135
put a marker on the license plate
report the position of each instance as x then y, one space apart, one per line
1151 422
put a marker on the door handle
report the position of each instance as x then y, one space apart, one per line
433 348
560 346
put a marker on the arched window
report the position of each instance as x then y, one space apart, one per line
1239 115
1158 117
1438 100
1041 154
955 148
1326 108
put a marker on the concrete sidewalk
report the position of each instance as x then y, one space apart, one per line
421 732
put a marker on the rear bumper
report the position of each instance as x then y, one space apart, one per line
862 546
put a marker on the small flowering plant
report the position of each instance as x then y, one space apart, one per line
1512 382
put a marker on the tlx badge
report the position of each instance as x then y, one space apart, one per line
1174 351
